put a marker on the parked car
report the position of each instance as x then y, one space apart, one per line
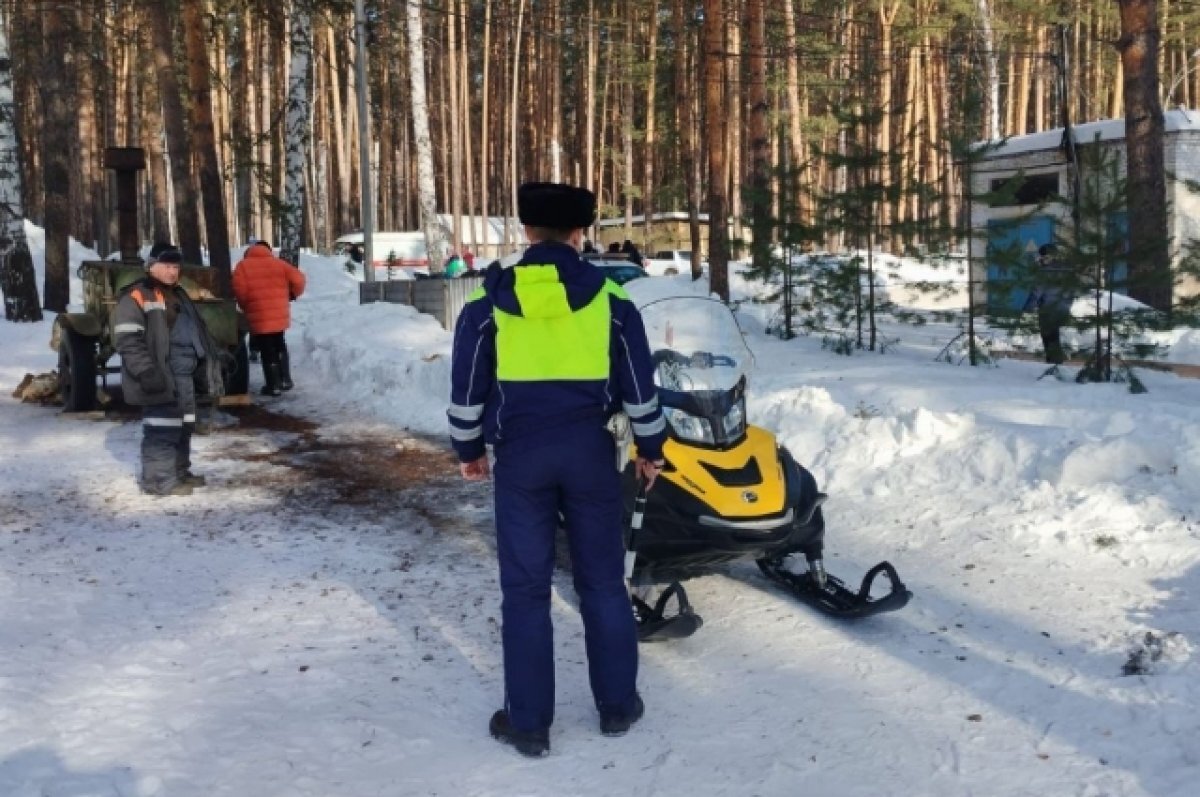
668 262
616 267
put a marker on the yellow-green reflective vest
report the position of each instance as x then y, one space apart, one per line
550 341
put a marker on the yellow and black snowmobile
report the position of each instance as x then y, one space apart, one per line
729 490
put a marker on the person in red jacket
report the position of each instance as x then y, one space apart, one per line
264 287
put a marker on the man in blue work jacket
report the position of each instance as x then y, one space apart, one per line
545 353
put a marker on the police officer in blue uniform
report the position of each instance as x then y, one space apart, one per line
545 353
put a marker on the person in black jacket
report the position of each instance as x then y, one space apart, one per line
168 363
630 250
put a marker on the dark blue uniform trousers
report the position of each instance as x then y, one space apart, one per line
572 469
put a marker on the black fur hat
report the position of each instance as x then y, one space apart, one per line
556 206
163 252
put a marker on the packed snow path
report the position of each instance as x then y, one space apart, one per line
322 620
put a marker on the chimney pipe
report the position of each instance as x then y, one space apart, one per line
127 162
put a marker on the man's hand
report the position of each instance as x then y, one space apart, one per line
475 471
152 381
648 470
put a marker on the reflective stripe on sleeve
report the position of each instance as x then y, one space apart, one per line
168 422
466 435
189 418
638 410
647 429
154 306
463 412
121 329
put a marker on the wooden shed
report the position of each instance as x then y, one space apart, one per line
1036 213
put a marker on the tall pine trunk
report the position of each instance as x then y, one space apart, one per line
179 145
1146 191
760 190
205 144
714 125
58 137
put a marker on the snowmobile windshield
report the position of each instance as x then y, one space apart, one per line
701 363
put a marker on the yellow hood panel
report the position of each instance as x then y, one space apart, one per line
765 498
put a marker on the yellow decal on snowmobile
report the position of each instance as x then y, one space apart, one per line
765 496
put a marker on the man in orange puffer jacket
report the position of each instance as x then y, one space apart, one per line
264 286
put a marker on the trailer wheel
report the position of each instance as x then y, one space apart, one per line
77 371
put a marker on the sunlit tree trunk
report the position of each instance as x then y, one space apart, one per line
435 239
992 67
205 144
297 132
18 281
760 187
714 124
651 138
58 136
179 147
1146 193
685 96
628 186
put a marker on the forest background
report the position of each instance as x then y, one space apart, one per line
247 110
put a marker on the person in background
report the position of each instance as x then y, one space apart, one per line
1052 297
264 287
544 355
614 248
455 266
630 250
169 363
589 248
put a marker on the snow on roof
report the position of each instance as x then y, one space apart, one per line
1177 119
488 229
675 215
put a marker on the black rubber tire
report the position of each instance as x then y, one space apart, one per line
237 380
77 371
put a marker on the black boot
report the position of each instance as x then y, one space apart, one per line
534 744
617 724
271 379
285 370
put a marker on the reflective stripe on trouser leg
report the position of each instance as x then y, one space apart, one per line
162 429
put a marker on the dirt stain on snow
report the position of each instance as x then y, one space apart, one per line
358 471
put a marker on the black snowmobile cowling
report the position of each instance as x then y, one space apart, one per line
728 490
712 506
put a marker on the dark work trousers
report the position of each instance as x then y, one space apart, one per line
569 469
185 389
270 348
1051 318
164 445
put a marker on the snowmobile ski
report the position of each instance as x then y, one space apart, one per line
654 626
831 595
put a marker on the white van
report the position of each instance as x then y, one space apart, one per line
400 250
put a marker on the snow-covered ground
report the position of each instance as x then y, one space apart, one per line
279 633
